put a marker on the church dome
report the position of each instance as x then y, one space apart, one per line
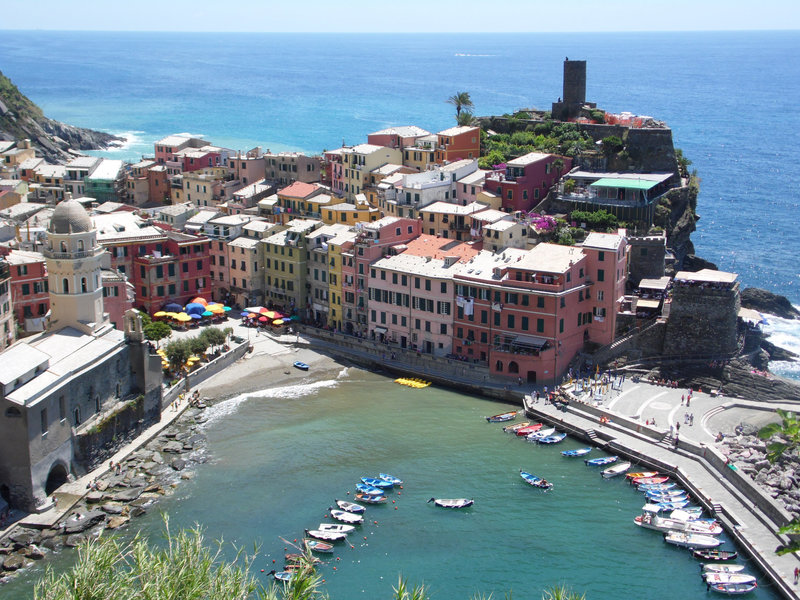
70 217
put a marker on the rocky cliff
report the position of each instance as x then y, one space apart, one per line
20 118
767 302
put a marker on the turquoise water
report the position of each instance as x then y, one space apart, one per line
278 461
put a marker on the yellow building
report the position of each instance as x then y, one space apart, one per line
422 154
360 161
337 248
448 220
345 213
201 188
286 266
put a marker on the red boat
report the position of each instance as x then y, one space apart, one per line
643 474
529 429
648 480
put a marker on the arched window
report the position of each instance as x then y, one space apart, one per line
499 366
65 285
513 367
97 403
80 246
84 285
13 412
63 246
77 416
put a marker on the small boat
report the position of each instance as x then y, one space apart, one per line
326 536
689 514
552 439
656 487
691 540
576 452
345 517
535 481
282 575
528 429
513 428
506 416
733 589
665 495
712 577
297 558
614 470
412 383
716 555
600 461
649 480
300 365
369 489
663 498
452 502
668 506
666 524
693 511
318 546
712 568
336 527
371 498
377 482
390 478
542 433
351 507
642 474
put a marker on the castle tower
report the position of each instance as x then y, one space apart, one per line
73 265
574 91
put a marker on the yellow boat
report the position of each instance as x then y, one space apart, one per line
413 383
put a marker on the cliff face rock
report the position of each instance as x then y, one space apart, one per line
767 302
20 119
676 214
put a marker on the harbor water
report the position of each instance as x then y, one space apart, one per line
278 459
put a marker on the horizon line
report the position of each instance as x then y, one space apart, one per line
396 33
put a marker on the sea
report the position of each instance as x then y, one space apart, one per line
277 459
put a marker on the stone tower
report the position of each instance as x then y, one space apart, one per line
574 91
73 266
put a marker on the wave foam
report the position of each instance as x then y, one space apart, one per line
228 407
784 333
132 138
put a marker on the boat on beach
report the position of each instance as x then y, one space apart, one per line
535 480
345 517
506 416
452 502
351 507
300 365
732 589
691 540
371 498
715 554
318 546
576 452
615 470
600 461
513 428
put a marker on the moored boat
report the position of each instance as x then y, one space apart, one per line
714 577
649 480
336 527
390 478
639 474
513 428
369 489
665 506
715 554
326 536
666 524
691 540
282 575
614 470
300 365
576 452
732 589
552 439
351 507
377 482
542 433
371 498
600 461
723 568
693 512
452 502
318 546
535 480
666 495
345 517
656 487
528 429
506 416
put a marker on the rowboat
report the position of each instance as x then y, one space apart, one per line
689 514
665 494
318 546
657 497
528 429
666 506
648 480
452 502
732 589
642 474
535 481
542 433
369 489
300 365
617 469
716 555
506 416
576 452
691 540
377 482
335 527
327 536
351 507
282 575
345 517
600 461
712 577
692 511
390 478
371 498
713 568
666 524
552 439
298 558
513 428
656 487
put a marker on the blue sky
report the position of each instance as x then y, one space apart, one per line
400 16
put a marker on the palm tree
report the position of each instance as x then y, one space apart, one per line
460 100
788 429
466 119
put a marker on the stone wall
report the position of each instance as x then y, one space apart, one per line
646 258
702 321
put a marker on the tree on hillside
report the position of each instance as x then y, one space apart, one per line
466 119
177 352
460 100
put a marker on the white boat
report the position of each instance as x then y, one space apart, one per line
327 536
345 517
691 540
687 514
712 577
452 502
351 507
335 527
542 433
614 470
666 524
718 568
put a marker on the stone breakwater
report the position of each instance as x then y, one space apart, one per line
781 480
117 497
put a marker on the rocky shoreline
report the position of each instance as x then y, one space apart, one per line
117 497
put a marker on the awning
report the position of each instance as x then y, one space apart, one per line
648 303
628 184
380 330
529 341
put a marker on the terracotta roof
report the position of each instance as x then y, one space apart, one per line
439 247
299 190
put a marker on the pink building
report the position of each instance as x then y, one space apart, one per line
29 289
397 137
527 179
167 148
118 296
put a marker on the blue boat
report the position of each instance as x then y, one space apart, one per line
368 489
300 365
371 498
390 478
553 439
535 481
282 575
656 487
671 505
602 460
377 482
577 452
660 498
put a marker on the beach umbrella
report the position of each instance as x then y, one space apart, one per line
207 313
183 317
294 318
160 313
263 319
254 309
271 314
226 308
173 307
216 308
195 307
198 300
278 322
172 315
196 316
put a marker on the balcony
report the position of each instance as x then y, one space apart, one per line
454 226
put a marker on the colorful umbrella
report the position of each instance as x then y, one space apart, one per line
160 313
196 316
172 315
173 307
207 313
263 319
183 317
195 307
216 308
254 309
226 308
199 300
278 322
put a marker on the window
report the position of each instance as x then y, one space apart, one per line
200 265
43 416
62 408
65 285
185 267
26 289
540 325
601 275
427 285
601 256
563 302
524 323
540 302
443 328
600 295
511 321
